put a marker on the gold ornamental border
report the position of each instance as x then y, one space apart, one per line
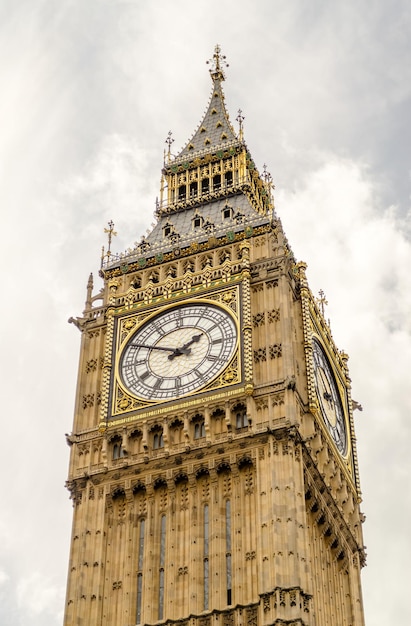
171 405
227 299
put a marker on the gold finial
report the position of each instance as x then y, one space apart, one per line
111 233
269 184
268 179
218 60
240 120
322 301
169 141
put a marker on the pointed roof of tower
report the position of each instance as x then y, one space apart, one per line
215 130
210 192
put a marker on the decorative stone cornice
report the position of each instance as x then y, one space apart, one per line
319 498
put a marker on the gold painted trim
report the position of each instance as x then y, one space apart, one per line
227 299
171 406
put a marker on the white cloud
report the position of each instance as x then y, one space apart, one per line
38 595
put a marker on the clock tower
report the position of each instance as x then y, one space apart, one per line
213 466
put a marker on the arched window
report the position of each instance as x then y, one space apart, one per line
162 564
197 221
199 426
135 282
241 419
158 440
216 182
206 557
154 277
227 212
228 550
199 430
118 451
205 185
228 178
168 229
140 571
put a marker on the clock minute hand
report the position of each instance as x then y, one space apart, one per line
143 345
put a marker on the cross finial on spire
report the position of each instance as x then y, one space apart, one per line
111 233
267 178
169 141
218 61
322 301
240 119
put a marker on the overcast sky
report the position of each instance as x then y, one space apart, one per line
89 90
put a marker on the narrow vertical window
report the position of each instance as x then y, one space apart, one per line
228 549
228 178
162 563
141 545
205 557
139 571
139 597
161 595
199 430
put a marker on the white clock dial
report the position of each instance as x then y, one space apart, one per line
329 398
178 351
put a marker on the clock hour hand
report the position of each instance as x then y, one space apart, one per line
195 339
185 349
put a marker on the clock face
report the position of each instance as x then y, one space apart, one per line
178 352
329 398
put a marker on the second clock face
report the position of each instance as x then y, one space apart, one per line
329 398
178 352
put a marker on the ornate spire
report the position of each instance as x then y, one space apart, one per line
218 60
215 130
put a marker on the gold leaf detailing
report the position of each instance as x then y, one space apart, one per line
229 375
124 402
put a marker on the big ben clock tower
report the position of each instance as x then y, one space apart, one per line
213 465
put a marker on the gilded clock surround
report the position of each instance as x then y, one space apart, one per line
123 402
240 479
